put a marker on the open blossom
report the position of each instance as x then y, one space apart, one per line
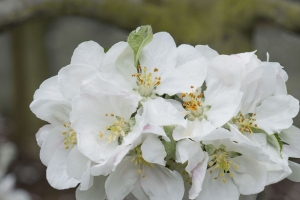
148 120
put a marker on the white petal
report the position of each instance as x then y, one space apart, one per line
198 176
77 164
95 148
291 151
121 182
224 106
89 111
280 86
160 53
87 179
187 53
217 134
54 139
112 162
276 113
181 79
291 136
111 57
161 183
49 89
295 176
195 130
88 53
138 192
258 85
196 156
53 111
224 73
276 173
207 52
57 170
183 149
70 79
216 189
42 134
250 60
251 175
162 113
153 151
157 130
96 192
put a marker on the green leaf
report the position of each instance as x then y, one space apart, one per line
275 141
170 147
138 39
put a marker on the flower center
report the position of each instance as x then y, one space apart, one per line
139 161
146 80
221 163
70 137
193 102
118 129
246 123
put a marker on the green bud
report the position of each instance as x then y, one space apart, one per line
210 149
138 39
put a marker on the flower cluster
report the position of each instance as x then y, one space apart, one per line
150 120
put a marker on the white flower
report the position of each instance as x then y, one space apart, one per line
143 173
163 69
7 191
215 106
231 172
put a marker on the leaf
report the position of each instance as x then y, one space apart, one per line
275 141
170 147
138 39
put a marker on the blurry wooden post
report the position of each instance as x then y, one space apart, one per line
29 70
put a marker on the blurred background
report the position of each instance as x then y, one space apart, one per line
37 38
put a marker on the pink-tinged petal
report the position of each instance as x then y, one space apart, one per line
110 164
181 79
276 113
122 181
153 151
52 142
57 170
157 130
207 52
216 189
160 53
96 192
42 134
198 175
258 85
159 112
295 176
88 53
49 89
70 79
77 164
161 183
53 111
251 175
